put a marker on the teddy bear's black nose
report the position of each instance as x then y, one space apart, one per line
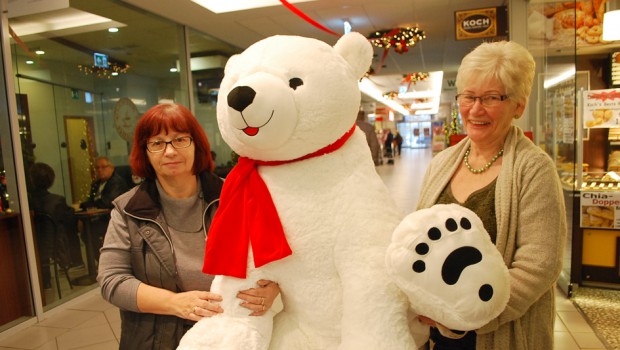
241 97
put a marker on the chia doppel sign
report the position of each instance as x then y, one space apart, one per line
481 23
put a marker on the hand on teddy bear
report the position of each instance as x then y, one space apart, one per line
192 305
259 300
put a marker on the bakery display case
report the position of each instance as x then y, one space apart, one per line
599 191
580 130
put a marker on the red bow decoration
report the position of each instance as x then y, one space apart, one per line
247 217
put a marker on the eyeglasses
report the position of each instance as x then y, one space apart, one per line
177 143
490 100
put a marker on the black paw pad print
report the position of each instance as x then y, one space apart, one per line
444 261
456 261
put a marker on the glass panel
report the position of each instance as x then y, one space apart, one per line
208 58
16 304
80 97
553 44
565 38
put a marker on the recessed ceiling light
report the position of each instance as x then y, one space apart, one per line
114 73
113 30
66 21
221 6
30 62
40 52
173 70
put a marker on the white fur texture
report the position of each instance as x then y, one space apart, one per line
443 240
337 215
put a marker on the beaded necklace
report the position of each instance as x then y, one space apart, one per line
486 166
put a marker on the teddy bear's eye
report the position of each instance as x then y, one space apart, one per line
295 82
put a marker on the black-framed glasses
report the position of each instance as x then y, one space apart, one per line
489 100
177 143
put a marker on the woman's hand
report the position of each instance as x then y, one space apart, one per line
195 305
427 321
445 331
260 299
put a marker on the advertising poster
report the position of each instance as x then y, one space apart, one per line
600 209
566 23
601 108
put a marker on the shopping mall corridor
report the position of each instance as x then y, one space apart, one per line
90 323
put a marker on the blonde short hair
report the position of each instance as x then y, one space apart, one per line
508 62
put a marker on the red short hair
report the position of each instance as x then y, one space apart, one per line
167 117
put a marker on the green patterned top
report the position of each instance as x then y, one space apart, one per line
481 202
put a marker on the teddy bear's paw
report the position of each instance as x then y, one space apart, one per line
444 260
456 261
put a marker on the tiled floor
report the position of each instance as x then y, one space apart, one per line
88 322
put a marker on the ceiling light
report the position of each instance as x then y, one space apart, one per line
611 25
369 88
69 21
174 70
29 62
567 74
347 27
113 30
40 52
221 6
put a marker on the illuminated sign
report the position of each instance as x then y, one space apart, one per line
481 23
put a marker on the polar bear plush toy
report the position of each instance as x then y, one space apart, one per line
444 260
304 207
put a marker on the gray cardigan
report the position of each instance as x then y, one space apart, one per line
531 234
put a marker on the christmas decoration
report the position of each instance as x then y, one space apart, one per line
452 127
103 73
398 38
413 78
390 95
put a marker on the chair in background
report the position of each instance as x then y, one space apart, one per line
53 248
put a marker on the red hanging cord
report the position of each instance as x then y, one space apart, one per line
307 18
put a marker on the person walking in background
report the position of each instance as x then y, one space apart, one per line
42 201
152 257
371 136
513 186
387 142
398 143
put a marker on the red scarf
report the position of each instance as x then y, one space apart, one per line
247 215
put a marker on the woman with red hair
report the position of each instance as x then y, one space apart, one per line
151 261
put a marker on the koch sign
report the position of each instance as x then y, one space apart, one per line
481 23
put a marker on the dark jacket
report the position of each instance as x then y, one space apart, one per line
153 262
115 186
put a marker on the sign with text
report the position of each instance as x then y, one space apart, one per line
481 23
600 209
601 108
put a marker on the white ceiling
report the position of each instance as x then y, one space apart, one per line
438 52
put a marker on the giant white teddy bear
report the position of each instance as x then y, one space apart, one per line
304 207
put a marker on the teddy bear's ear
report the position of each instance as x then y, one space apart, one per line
356 50
230 62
